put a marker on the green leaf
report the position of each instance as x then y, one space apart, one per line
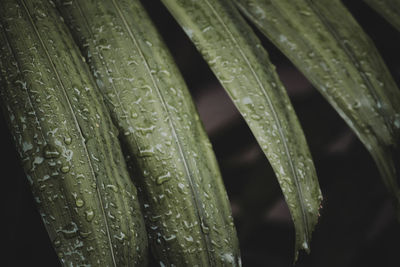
325 42
184 200
240 63
67 143
389 9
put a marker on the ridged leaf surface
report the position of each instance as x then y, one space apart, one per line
325 42
186 207
389 9
242 66
67 144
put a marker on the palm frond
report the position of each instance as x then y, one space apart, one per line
389 9
325 43
169 153
66 141
237 58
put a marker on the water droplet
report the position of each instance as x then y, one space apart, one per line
50 152
305 245
37 161
169 238
65 169
181 188
305 13
397 121
356 105
120 237
89 215
111 216
146 130
67 140
79 202
84 234
67 3
163 178
113 187
26 146
146 152
189 238
41 13
215 244
204 228
57 242
247 101
228 257
70 230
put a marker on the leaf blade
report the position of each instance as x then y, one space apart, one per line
325 43
235 55
388 9
185 203
66 136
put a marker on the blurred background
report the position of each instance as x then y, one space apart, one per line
357 226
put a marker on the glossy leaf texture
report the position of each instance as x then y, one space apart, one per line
389 9
66 141
184 200
325 42
241 64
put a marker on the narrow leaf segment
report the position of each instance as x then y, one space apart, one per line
66 141
184 200
389 9
325 42
242 66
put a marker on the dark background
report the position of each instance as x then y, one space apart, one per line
357 226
